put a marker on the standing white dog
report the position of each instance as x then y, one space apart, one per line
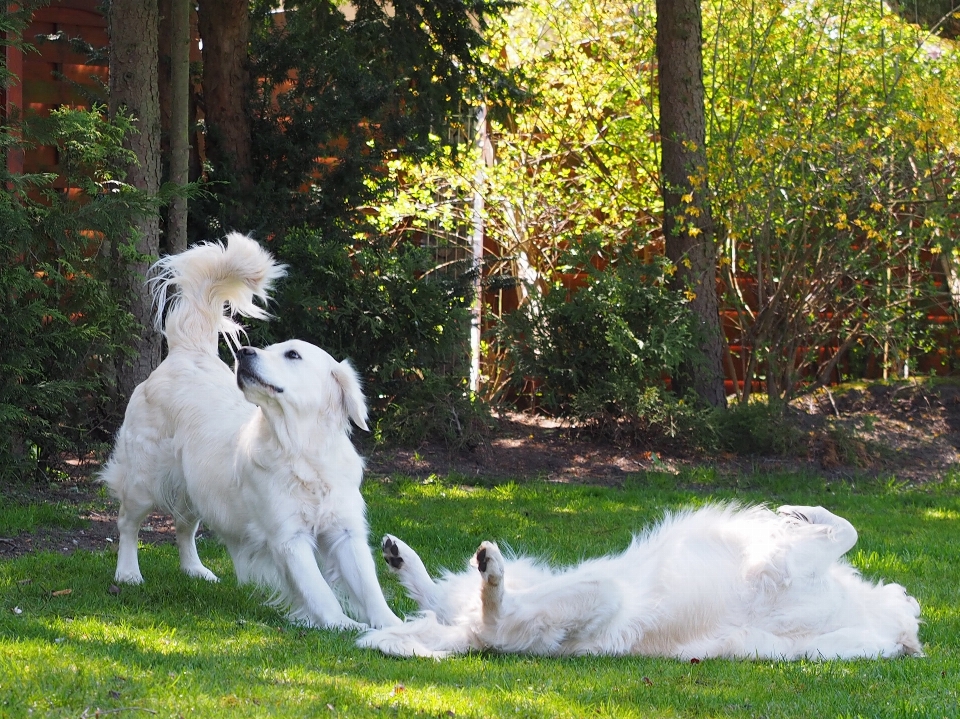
720 581
262 456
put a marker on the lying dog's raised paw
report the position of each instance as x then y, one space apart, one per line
391 552
489 561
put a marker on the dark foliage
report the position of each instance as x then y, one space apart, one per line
62 322
937 15
337 100
600 353
404 331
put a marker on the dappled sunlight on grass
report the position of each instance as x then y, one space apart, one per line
871 563
180 646
940 513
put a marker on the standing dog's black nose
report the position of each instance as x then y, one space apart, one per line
246 352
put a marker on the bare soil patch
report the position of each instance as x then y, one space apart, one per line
910 430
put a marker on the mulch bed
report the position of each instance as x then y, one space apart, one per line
904 429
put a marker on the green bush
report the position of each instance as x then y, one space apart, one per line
337 100
405 331
759 428
600 354
62 325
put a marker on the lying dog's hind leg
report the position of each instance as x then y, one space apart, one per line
826 537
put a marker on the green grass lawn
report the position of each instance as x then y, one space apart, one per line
180 647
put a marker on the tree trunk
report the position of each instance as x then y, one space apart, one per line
133 28
225 30
687 223
179 121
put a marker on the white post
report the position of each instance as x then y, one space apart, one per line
476 216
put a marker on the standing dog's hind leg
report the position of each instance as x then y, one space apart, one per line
190 562
131 516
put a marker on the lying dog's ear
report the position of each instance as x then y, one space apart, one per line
354 403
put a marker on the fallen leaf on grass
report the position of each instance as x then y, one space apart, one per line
61 592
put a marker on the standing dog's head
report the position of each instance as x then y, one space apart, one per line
301 382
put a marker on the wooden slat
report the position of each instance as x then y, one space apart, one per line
72 16
61 53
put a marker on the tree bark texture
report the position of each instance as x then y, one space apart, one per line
133 29
179 121
687 223
225 30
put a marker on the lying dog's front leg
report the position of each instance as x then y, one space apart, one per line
349 556
489 562
413 575
309 596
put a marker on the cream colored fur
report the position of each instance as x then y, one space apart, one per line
720 581
262 455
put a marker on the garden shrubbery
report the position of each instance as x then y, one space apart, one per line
600 352
404 329
62 323
835 211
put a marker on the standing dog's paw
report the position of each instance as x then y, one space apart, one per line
489 561
200 572
123 577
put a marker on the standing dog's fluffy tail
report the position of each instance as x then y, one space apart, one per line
203 288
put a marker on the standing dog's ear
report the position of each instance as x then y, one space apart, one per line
354 403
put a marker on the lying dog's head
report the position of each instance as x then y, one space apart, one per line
301 379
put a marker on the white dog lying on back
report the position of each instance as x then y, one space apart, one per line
262 456
721 581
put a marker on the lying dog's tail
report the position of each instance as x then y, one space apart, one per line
198 292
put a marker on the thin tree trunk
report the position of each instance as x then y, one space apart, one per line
225 30
179 121
133 28
687 223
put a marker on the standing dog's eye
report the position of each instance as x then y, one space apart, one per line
292 354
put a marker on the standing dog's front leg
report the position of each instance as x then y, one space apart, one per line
349 556
306 591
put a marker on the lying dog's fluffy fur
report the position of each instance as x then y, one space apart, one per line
721 581
262 455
